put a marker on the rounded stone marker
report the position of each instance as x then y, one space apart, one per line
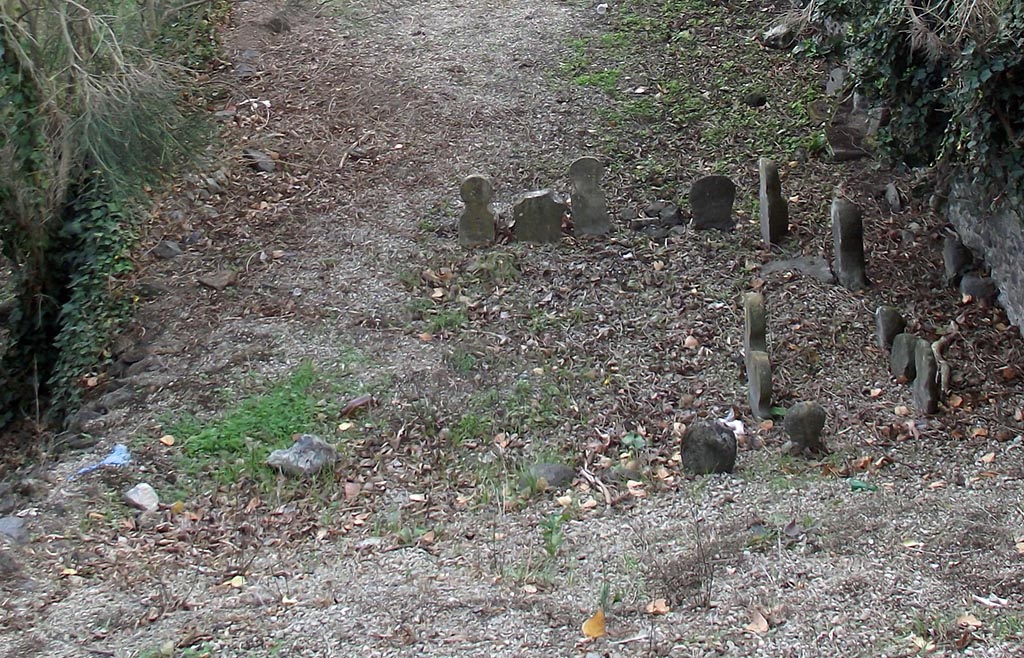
804 422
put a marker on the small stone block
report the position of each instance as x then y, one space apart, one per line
755 324
708 448
804 422
711 201
889 323
538 217
901 357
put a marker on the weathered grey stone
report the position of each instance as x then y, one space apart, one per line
773 206
902 363
889 323
979 288
994 230
15 528
709 448
815 267
670 216
654 208
711 200
538 217
167 249
957 259
836 81
547 475
848 242
755 324
893 198
259 160
219 280
759 384
804 422
589 208
926 382
307 456
142 496
476 224
780 37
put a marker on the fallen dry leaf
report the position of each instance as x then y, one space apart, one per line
530 589
969 620
979 432
658 607
167 440
418 498
912 543
954 400
237 582
595 626
758 622
691 343
355 404
902 410
352 490
875 392
564 501
988 458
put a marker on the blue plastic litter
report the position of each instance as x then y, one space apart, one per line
119 456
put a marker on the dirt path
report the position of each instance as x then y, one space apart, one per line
346 259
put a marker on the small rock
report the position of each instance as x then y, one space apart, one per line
259 160
307 456
278 24
889 323
167 249
219 280
755 99
624 474
815 267
15 528
547 475
117 398
628 214
979 288
657 232
780 37
670 216
902 357
654 208
143 497
804 422
709 448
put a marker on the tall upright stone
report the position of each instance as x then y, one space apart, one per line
538 217
925 389
711 201
755 324
476 224
773 206
759 384
848 242
589 208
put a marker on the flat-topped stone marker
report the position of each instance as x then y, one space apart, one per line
804 422
848 242
476 224
773 206
711 201
589 208
902 357
538 217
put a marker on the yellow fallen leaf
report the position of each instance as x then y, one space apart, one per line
68 571
346 426
912 543
177 507
758 622
97 516
564 501
658 607
426 336
595 626
167 440
969 620
238 582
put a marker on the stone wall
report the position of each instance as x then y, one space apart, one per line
997 236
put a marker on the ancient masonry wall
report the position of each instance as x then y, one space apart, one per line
995 234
